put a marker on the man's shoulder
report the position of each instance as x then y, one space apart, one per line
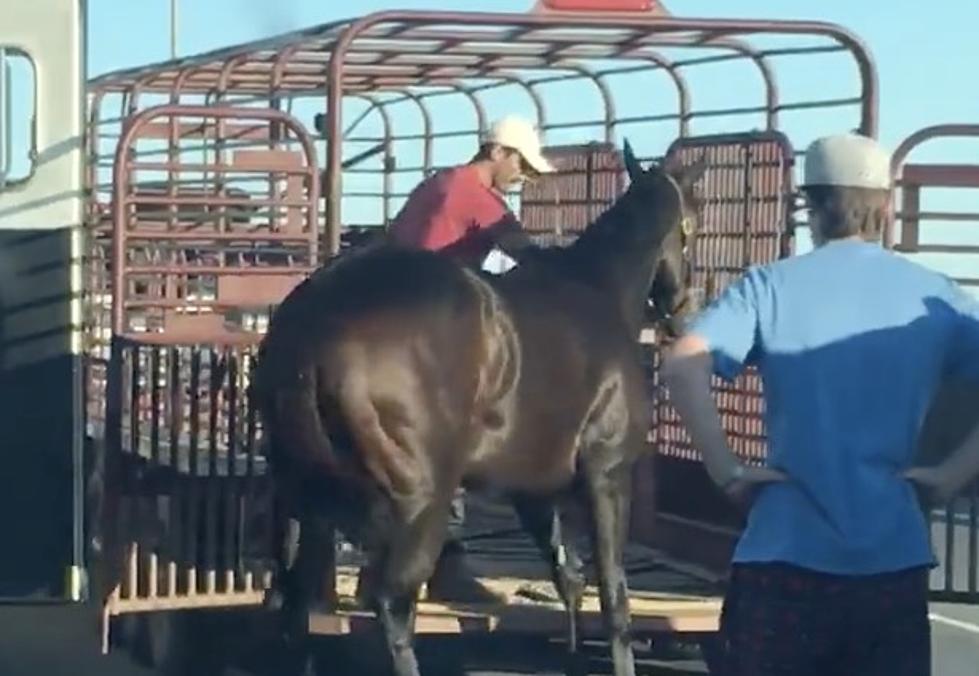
851 259
459 176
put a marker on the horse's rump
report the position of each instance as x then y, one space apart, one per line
373 369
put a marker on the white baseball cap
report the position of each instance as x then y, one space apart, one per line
847 160
517 133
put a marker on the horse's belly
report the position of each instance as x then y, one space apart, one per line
523 462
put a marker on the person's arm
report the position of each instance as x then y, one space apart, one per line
720 341
500 227
947 479
961 467
509 236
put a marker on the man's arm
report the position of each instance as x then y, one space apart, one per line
960 467
686 370
509 236
720 341
958 470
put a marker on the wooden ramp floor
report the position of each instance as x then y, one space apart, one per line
665 595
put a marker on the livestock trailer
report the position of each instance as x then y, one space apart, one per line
162 211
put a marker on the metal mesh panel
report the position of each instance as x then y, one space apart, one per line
746 197
557 207
192 507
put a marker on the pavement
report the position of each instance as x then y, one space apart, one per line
58 640
62 641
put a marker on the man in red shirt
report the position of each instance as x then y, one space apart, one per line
462 213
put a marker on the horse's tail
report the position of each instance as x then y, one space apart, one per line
308 411
298 434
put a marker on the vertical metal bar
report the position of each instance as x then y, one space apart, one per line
231 485
155 370
132 572
195 408
743 398
191 525
974 539
213 412
177 533
910 207
177 497
950 546
153 574
176 409
134 394
211 534
6 134
169 286
251 408
213 481
591 209
250 488
173 29
232 422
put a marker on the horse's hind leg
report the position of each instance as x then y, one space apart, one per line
310 577
609 489
406 562
555 538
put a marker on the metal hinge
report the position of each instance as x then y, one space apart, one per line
76 583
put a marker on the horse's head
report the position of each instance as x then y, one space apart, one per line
674 219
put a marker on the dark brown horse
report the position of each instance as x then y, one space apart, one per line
392 376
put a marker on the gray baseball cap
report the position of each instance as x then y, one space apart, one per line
847 160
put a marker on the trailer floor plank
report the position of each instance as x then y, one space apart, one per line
666 596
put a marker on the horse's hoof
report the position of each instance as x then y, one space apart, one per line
274 601
454 581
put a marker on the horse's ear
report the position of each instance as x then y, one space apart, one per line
690 175
632 165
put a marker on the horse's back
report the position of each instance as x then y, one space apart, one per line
389 342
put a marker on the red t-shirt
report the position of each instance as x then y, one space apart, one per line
448 211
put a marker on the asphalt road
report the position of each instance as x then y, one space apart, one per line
63 641
57 641
52 641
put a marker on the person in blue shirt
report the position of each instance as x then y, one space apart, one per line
851 340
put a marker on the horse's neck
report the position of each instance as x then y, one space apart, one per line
623 271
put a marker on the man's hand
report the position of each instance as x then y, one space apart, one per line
686 370
741 482
939 485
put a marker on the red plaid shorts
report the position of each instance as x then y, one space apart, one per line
782 620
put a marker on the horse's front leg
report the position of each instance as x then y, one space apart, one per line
397 616
609 486
554 537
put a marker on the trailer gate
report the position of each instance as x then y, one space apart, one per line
934 236
203 238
